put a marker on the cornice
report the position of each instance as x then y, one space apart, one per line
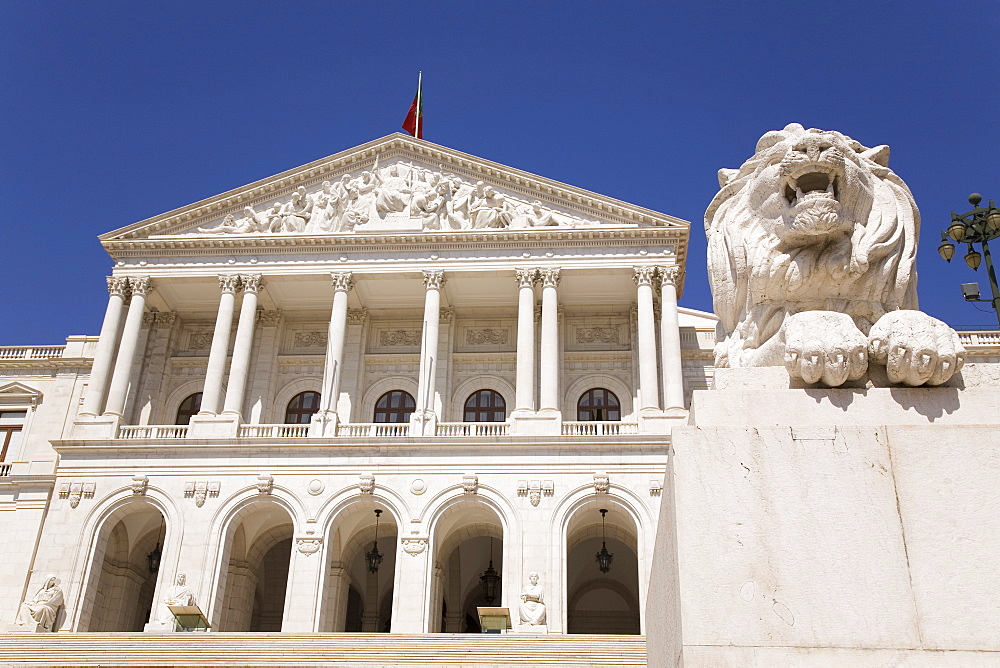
52 363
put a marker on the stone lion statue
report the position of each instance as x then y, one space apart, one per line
811 251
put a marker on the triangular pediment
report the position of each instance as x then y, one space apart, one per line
394 185
17 393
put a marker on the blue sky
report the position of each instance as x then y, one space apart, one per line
113 112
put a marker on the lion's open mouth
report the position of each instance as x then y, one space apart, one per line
810 186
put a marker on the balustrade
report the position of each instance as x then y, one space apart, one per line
31 352
599 428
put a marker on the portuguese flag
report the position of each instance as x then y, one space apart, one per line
414 123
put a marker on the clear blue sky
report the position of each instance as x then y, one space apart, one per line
113 112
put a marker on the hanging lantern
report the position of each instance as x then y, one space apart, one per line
604 558
373 557
490 580
153 558
973 258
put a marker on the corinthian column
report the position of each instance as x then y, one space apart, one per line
670 339
241 348
126 351
524 395
424 415
333 365
649 391
93 402
548 394
229 285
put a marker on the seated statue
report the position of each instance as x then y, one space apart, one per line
41 611
178 594
531 609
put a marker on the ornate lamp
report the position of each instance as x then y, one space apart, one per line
373 557
153 558
604 558
979 226
490 580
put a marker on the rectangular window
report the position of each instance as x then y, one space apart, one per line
11 424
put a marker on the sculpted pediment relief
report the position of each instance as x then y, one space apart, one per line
391 186
398 197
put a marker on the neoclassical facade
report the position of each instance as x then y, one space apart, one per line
400 356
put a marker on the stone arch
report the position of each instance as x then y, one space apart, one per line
100 519
169 406
235 580
350 533
500 385
576 389
377 389
276 414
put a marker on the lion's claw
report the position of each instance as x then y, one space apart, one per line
915 348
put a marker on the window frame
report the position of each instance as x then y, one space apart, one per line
492 410
593 408
302 411
180 408
392 410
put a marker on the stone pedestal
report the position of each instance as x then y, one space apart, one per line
225 425
536 423
538 629
98 428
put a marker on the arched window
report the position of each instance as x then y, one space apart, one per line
301 408
485 406
188 407
394 406
598 405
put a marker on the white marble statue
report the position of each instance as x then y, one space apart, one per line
40 612
812 247
531 609
178 594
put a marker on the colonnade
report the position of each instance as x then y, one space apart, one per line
109 380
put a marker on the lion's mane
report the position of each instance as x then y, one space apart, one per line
760 273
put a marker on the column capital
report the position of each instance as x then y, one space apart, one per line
140 285
447 314
251 283
526 278
643 275
343 281
669 275
434 279
356 316
164 319
549 277
118 286
268 318
230 283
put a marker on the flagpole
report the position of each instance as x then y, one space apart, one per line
420 100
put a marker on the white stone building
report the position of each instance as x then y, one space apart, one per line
486 356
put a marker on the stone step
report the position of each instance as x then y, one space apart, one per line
354 650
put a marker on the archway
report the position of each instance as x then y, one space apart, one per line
599 602
255 568
125 569
358 598
469 539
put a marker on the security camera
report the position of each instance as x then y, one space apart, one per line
970 291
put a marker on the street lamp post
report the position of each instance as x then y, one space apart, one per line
979 226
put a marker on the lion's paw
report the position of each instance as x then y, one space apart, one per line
915 348
824 346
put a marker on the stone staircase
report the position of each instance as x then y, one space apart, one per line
354 650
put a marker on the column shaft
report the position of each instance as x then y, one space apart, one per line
332 368
670 339
433 281
126 350
549 371
220 346
649 391
241 348
93 403
524 395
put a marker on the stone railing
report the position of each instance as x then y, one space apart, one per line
31 352
599 428
697 338
5 470
979 338
375 429
134 432
471 429
273 431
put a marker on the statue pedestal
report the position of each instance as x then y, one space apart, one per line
29 628
532 628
